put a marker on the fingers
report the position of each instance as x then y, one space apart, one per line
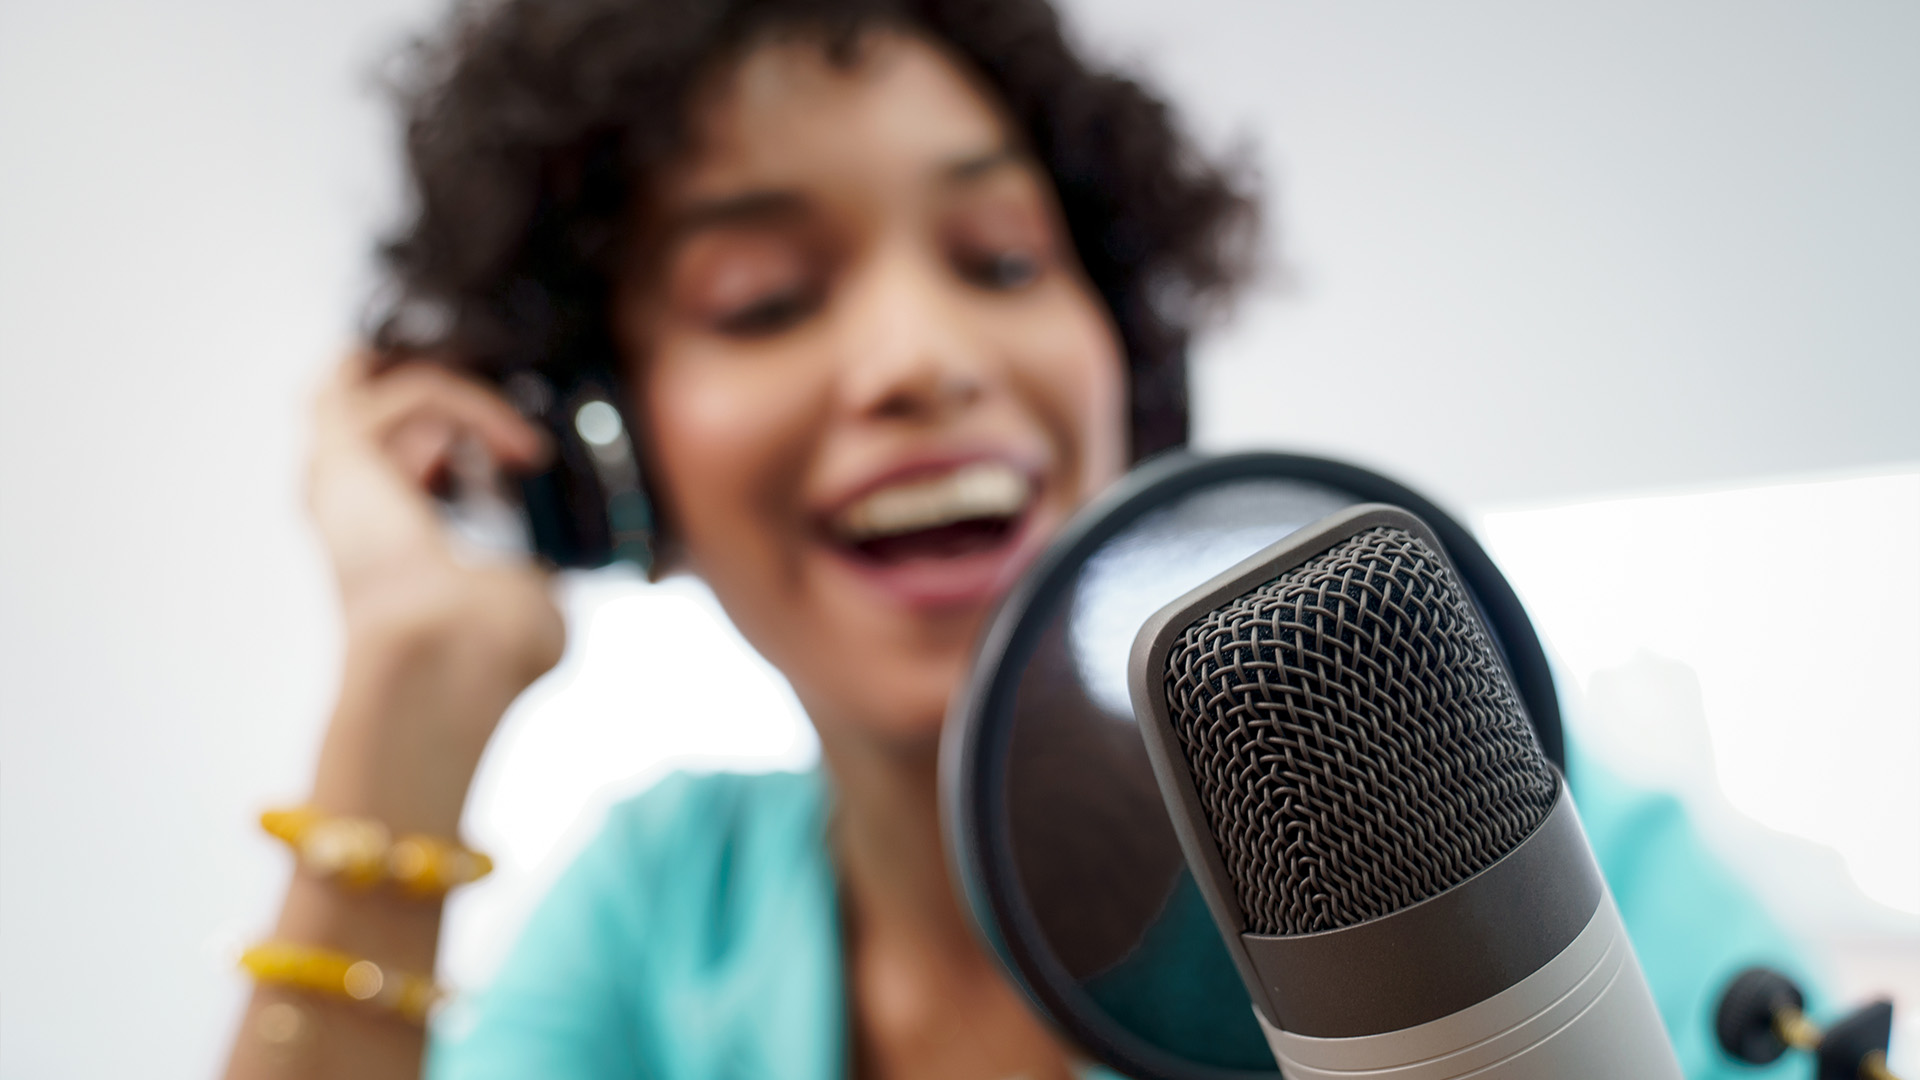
439 405
421 445
414 414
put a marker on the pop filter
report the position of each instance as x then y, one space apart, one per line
1054 820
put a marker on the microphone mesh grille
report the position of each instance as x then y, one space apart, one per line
1354 739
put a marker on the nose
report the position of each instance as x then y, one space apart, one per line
908 353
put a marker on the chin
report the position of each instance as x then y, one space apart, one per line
906 712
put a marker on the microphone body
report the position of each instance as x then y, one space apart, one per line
1398 872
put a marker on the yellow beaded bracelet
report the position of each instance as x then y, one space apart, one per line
336 974
361 853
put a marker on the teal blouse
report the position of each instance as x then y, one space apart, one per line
697 938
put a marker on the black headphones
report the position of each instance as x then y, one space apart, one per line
590 507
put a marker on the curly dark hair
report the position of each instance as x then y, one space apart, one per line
530 125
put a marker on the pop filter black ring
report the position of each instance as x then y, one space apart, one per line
973 753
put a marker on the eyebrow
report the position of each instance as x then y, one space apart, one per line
747 208
765 207
975 166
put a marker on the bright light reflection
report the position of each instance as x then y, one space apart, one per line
1168 552
1796 606
1125 584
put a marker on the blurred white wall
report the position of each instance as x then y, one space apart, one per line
1537 253
1546 248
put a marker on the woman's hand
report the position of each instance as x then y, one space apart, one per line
437 647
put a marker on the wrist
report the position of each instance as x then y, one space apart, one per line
406 783
483 635
455 667
412 722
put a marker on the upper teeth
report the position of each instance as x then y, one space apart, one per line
982 490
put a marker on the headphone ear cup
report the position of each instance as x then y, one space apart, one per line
590 507
564 513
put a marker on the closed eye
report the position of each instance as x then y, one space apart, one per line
1002 271
769 315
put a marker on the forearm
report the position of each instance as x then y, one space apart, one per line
395 753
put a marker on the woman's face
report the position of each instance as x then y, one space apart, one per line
873 377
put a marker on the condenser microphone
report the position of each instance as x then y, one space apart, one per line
1397 870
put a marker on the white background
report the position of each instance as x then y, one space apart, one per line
1535 258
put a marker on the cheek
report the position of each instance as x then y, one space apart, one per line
728 440
1078 381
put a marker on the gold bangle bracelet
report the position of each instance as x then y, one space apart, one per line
335 974
362 853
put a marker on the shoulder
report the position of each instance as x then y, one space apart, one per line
696 842
1660 868
678 862
728 936
689 810
1629 826
642 958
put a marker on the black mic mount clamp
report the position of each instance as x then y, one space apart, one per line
1761 1017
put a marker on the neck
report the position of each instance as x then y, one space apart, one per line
891 851
927 1000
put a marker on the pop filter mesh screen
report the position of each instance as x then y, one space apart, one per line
1354 739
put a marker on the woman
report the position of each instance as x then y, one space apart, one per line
893 287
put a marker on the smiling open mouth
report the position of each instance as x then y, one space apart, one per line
972 509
